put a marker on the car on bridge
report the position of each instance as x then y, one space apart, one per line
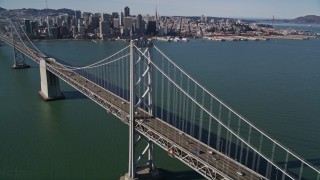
198 151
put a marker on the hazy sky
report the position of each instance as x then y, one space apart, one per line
222 8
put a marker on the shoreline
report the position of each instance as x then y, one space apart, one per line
210 38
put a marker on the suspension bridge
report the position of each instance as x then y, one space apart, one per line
165 106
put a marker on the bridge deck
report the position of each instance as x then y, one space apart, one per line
213 165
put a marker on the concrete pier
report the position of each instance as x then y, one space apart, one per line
145 174
20 66
50 87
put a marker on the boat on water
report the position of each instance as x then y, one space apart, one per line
177 39
185 39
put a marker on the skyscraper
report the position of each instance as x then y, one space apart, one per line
104 29
121 18
152 27
139 25
94 22
27 25
127 22
85 16
115 15
105 25
34 27
77 15
105 17
126 11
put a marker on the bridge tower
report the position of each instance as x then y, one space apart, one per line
135 169
19 61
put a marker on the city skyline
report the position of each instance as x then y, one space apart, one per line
230 8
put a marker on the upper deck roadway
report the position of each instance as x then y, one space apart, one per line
213 165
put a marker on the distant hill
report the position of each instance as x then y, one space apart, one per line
38 12
47 11
309 19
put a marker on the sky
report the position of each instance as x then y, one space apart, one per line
217 8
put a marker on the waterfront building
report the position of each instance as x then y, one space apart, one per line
74 31
64 32
104 29
152 28
34 28
54 32
81 29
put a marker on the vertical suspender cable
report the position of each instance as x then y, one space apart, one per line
237 143
219 129
285 166
227 132
301 170
168 97
268 171
201 118
187 108
260 149
162 88
180 104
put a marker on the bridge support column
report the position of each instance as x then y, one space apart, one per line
19 61
50 87
146 169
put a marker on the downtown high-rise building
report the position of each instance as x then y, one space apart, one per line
121 18
94 22
126 11
104 29
27 26
116 23
105 17
139 24
115 15
105 25
77 15
127 23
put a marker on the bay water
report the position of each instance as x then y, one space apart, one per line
275 84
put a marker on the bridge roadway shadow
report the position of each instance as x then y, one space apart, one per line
185 175
73 95
295 164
